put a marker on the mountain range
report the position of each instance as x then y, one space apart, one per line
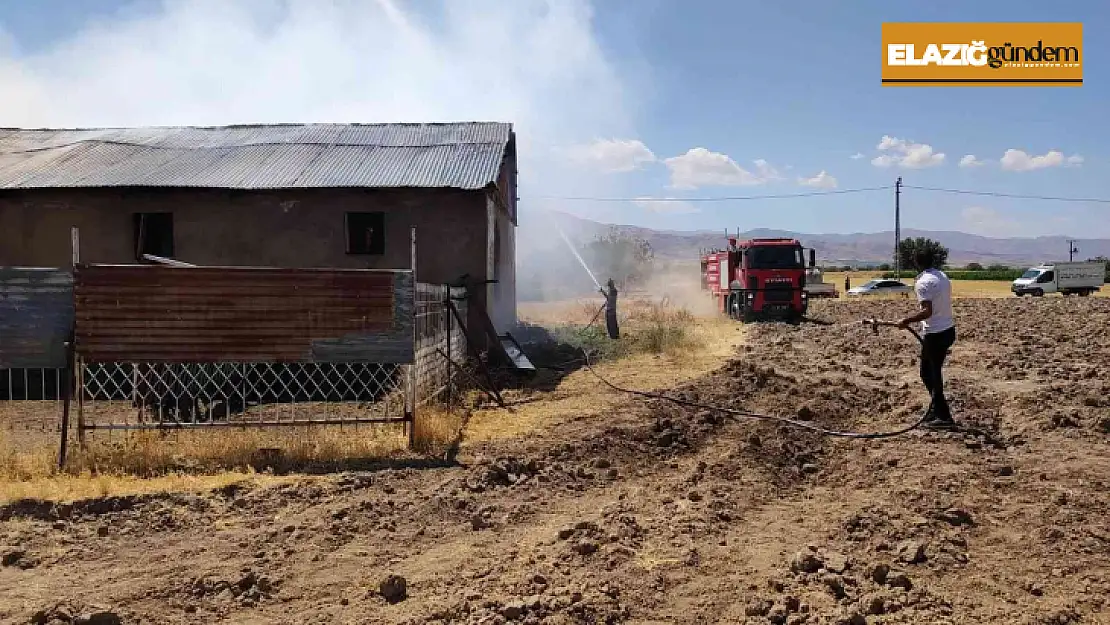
547 268
854 249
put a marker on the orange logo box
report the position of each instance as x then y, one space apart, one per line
988 54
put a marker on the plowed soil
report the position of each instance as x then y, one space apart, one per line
662 513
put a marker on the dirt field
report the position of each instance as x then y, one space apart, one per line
629 510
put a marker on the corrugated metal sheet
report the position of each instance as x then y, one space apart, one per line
36 317
463 155
138 313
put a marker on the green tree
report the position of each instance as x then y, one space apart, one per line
974 267
907 248
885 267
998 267
626 259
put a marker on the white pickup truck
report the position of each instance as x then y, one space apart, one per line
1065 278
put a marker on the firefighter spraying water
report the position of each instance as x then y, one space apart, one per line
611 309
609 292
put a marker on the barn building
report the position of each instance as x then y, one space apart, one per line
304 195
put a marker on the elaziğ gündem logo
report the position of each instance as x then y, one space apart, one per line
982 54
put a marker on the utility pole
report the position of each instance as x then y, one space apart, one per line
897 229
1072 250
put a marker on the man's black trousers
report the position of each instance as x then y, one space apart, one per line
934 349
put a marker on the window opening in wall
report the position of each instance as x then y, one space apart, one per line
365 233
153 234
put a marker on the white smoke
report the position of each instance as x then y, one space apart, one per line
535 63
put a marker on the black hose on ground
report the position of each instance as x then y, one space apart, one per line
742 414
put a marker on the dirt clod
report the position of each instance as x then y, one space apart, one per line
899 580
12 557
585 547
836 562
806 562
879 573
102 617
911 552
834 583
956 516
758 607
393 589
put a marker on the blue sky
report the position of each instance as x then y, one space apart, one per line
603 95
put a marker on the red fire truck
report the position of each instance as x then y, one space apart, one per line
758 278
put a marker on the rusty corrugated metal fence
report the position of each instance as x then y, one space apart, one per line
154 314
182 347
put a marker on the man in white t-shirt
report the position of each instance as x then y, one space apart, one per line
934 293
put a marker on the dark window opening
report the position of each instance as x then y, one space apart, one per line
153 234
365 233
1047 276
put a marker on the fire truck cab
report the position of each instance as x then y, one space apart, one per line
758 278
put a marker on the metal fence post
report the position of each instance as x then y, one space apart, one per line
67 392
78 362
411 395
446 316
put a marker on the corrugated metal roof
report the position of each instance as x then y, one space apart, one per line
464 155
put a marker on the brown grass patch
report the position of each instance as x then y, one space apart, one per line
438 430
149 461
666 345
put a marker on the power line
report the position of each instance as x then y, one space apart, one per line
734 198
781 196
1011 195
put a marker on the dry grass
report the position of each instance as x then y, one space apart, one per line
668 345
205 451
659 327
438 430
183 460
88 485
647 325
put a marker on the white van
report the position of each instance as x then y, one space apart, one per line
1065 278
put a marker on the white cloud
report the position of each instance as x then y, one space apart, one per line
969 160
906 154
673 206
856 156
765 171
883 160
534 63
699 167
1019 160
822 180
612 155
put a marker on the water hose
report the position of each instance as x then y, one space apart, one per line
743 414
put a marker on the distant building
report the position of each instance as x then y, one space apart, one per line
304 195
